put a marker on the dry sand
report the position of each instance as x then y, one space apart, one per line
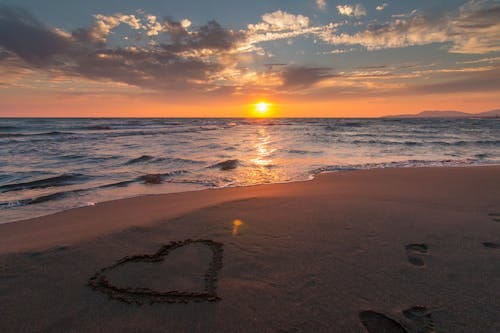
394 250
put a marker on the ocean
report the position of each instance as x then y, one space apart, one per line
50 165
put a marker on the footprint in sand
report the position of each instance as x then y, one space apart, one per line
491 245
414 253
376 322
420 319
495 216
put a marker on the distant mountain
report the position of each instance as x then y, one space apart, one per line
449 114
492 113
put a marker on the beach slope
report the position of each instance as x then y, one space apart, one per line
386 250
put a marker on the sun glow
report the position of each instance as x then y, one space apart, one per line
262 109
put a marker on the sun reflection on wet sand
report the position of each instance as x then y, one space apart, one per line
236 225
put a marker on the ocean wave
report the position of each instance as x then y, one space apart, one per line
157 132
467 143
153 159
341 124
52 133
8 128
142 159
398 164
36 137
98 128
156 178
424 142
195 181
179 160
226 165
304 152
117 184
40 199
62 180
64 194
142 178
16 135
385 142
482 156
212 146
72 157
11 135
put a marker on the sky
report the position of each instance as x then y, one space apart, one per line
306 58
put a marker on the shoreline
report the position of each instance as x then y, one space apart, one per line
416 247
56 219
311 177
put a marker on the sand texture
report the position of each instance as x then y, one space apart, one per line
388 250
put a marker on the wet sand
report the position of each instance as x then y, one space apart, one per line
388 250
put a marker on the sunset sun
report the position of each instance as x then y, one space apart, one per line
262 108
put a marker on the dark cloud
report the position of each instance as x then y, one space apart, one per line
84 52
295 77
4 55
86 36
371 67
22 34
482 81
479 18
211 36
153 70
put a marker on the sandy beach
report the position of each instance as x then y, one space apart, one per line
385 250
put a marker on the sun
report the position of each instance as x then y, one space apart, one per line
262 107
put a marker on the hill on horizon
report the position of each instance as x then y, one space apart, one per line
448 114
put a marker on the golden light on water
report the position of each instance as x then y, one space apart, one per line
263 149
264 170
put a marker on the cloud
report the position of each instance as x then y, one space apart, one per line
189 60
345 10
153 26
399 33
28 38
105 23
185 23
177 55
280 21
348 10
211 37
382 6
480 81
4 55
474 29
282 25
296 77
321 4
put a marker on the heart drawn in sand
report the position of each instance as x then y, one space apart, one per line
140 295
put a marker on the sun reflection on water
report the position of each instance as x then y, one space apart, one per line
264 169
263 148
